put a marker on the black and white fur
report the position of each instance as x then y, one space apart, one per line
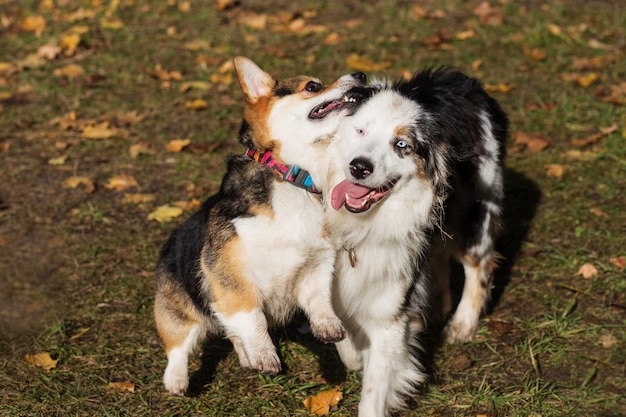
423 159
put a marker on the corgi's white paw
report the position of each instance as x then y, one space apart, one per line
176 380
328 329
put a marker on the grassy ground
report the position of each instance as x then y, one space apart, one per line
76 264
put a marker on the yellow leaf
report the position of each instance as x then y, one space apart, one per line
187 205
197 104
99 131
465 34
113 24
221 78
75 181
35 24
123 386
554 29
320 404
177 145
254 20
499 88
360 63
121 182
197 45
58 160
165 213
139 148
587 271
138 198
196 85
69 43
331 39
42 360
70 70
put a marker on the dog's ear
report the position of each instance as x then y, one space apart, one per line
254 82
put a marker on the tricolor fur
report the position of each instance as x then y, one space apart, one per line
258 249
423 162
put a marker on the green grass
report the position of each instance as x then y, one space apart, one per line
76 268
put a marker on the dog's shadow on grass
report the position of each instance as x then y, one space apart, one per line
521 201
213 352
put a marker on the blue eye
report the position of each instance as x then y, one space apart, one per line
402 144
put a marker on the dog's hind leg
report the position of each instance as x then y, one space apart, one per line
181 326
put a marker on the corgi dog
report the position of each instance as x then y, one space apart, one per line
422 183
258 249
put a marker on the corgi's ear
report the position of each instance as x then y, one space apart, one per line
254 82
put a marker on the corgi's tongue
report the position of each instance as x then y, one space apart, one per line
354 196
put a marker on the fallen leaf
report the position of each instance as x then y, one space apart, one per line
221 78
123 386
197 45
42 360
321 403
60 160
76 181
121 182
536 54
253 20
465 34
139 149
35 24
554 170
488 14
578 155
361 63
48 52
162 74
607 341
197 104
138 198
599 213
332 39
619 262
534 143
584 80
111 24
99 131
460 363
165 213
70 71
195 85
69 43
187 205
499 88
587 271
177 145
79 333
225 4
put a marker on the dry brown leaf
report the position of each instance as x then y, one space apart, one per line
578 155
607 341
197 45
361 63
534 143
619 262
80 14
488 14
34 24
70 71
536 54
196 85
584 80
321 403
48 52
224 4
465 34
460 363
599 213
111 24
59 160
197 104
331 39
617 94
190 205
75 181
587 271
555 170
254 20
162 74
121 182
42 360
165 213
221 78
123 386
177 145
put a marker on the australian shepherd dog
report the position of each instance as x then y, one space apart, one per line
420 184
258 249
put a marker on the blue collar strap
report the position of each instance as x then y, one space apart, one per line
290 173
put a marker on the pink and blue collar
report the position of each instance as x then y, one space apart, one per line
290 173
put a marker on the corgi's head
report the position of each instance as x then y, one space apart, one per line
293 117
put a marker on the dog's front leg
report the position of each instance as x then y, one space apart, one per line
390 371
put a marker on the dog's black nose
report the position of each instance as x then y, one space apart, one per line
361 168
360 76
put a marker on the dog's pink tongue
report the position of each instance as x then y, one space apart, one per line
345 187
